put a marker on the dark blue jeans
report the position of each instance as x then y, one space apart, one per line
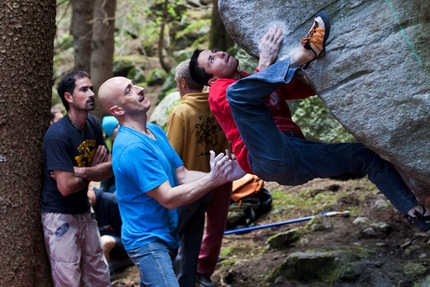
289 160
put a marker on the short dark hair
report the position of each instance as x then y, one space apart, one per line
67 84
198 74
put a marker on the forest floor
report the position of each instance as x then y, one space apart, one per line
247 261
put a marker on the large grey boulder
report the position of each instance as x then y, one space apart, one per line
374 77
160 115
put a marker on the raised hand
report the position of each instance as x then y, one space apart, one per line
269 47
223 168
220 166
236 172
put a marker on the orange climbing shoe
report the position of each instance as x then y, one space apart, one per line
317 36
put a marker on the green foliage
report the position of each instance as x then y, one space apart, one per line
156 77
136 74
164 110
65 42
247 63
317 123
174 105
132 25
150 36
56 100
63 62
169 86
200 25
136 39
130 16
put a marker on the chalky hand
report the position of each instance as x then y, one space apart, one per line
269 47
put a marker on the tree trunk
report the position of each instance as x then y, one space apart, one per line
102 47
161 42
82 29
219 39
27 31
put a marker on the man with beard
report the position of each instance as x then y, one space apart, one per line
74 153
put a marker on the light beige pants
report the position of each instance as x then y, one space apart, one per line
73 245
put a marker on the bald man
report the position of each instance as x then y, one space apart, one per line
152 182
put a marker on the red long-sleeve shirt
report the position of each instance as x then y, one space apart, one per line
276 102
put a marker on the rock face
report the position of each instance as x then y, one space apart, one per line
160 115
375 76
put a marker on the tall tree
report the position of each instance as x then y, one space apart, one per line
161 40
102 47
218 37
82 30
27 31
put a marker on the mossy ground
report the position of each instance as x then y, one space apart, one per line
247 261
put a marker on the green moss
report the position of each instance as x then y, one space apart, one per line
130 60
227 263
323 265
137 75
195 25
226 251
156 77
281 198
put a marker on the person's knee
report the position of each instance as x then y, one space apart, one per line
108 243
367 155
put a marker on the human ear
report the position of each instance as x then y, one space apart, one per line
116 110
183 83
212 80
68 97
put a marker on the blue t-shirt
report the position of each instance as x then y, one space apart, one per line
63 148
141 164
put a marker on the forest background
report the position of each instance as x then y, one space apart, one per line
41 40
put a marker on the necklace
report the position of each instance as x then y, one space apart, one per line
78 128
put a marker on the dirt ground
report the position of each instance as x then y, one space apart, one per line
247 261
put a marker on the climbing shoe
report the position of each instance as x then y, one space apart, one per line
420 220
317 36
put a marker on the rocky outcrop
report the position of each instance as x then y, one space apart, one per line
160 115
319 266
375 76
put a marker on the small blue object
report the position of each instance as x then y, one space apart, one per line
109 123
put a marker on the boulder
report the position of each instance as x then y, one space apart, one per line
317 266
160 115
374 77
